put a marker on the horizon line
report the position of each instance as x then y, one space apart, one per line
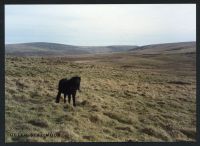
99 45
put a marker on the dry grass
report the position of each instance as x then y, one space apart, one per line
124 98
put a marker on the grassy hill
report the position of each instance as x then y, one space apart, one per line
168 48
125 97
42 49
107 49
54 49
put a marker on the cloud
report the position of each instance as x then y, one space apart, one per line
101 24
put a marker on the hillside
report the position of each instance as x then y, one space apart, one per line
167 48
124 98
54 49
107 49
42 49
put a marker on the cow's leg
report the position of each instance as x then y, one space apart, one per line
74 96
69 98
65 97
58 97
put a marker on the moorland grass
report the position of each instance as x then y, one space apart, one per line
124 97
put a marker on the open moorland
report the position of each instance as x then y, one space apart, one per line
125 97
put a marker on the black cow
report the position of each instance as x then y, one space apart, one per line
68 87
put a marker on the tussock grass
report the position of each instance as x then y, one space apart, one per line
124 97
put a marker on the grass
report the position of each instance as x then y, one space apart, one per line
124 97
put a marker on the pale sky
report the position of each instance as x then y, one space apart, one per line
113 24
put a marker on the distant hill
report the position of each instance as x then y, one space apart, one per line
42 49
107 49
168 48
54 49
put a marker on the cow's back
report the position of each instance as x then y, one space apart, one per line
62 85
